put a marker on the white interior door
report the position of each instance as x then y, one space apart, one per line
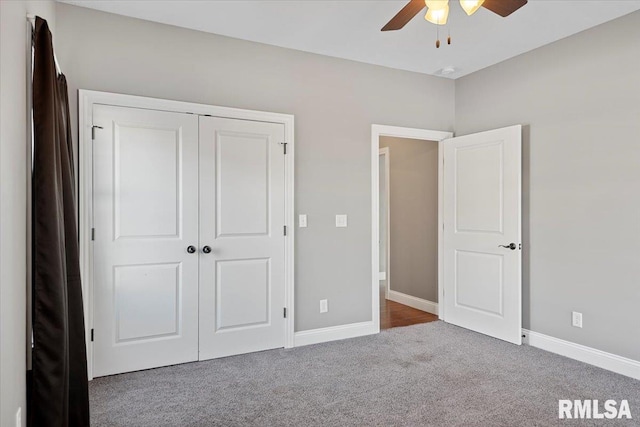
145 217
482 232
242 217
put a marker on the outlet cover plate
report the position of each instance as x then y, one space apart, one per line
576 319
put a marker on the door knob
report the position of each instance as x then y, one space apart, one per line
191 249
511 246
206 249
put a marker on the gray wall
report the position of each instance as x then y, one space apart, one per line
13 201
580 101
414 216
334 102
382 214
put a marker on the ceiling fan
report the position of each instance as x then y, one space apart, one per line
438 10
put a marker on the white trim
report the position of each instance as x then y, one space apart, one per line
385 152
289 212
430 135
611 362
87 99
29 217
441 229
383 275
412 133
415 302
333 333
85 216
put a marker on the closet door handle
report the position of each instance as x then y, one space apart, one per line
511 246
191 249
206 249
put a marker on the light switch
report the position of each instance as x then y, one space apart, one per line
341 220
302 221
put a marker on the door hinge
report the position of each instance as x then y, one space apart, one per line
91 334
93 234
285 230
284 145
285 312
93 131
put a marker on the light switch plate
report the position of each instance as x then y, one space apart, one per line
324 306
302 221
341 220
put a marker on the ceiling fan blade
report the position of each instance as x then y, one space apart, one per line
405 15
503 7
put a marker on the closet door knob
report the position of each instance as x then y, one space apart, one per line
206 249
511 246
191 249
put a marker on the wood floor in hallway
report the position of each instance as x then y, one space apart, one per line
394 314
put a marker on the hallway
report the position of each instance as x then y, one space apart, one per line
393 314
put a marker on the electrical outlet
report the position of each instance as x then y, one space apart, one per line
324 306
19 417
341 220
576 319
302 221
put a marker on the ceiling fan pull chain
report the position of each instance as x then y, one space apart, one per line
438 36
449 38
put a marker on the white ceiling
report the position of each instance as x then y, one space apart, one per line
351 28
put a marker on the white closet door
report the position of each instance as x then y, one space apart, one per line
145 217
242 219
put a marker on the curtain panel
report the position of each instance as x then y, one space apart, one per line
59 388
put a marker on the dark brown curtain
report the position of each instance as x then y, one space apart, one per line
59 392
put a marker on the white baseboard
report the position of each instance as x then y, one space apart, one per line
333 333
415 302
611 362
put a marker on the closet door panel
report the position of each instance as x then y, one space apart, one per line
145 217
241 220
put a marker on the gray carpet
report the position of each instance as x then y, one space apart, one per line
432 374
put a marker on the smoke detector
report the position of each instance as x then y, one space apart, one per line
447 70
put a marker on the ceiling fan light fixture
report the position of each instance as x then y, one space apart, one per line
437 15
471 6
436 4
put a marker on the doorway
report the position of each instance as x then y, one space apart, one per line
387 296
408 183
479 228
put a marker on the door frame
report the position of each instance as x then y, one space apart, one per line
384 152
401 132
86 100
